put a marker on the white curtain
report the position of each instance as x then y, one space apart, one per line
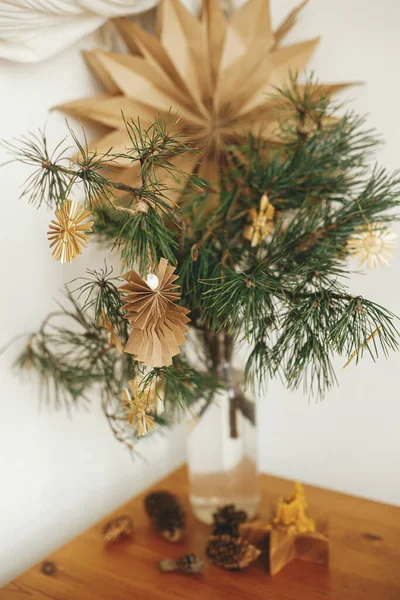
31 30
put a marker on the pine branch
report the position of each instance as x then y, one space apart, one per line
100 293
45 184
287 295
56 175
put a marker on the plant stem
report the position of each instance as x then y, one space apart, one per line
233 425
219 349
114 184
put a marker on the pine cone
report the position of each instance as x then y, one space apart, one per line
117 529
231 553
227 520
188 563
166 514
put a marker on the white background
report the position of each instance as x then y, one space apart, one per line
59 474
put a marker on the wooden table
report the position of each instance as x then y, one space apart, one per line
365 559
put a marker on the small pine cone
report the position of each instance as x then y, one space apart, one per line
227 520
189 564
117 529
166 514
231 553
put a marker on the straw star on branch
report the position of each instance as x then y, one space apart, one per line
107 324
69 233
262 222
373 245
137 406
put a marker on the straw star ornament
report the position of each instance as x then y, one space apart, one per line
137 406
374 246
106 323
262 222
158 324
215 72
69 232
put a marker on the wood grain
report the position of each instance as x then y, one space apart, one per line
365 558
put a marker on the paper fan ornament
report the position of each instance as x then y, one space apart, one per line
158 323
215 72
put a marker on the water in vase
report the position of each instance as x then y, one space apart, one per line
222 458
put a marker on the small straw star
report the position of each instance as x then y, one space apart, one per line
68 232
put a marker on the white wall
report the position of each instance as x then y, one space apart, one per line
60 474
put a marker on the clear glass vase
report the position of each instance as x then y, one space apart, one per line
222 437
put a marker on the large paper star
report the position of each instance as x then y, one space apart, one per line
216 73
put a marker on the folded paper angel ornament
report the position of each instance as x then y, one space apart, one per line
158 323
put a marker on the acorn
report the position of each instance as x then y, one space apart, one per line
166 514
118 528
231 553
190 564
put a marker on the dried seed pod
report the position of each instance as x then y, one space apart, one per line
118 528
188 563
227 520
231 553
166 514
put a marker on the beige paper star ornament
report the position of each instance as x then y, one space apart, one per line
158 323
216 73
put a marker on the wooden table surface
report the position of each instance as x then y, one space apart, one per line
365 559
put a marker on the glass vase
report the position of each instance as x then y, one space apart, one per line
222 437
